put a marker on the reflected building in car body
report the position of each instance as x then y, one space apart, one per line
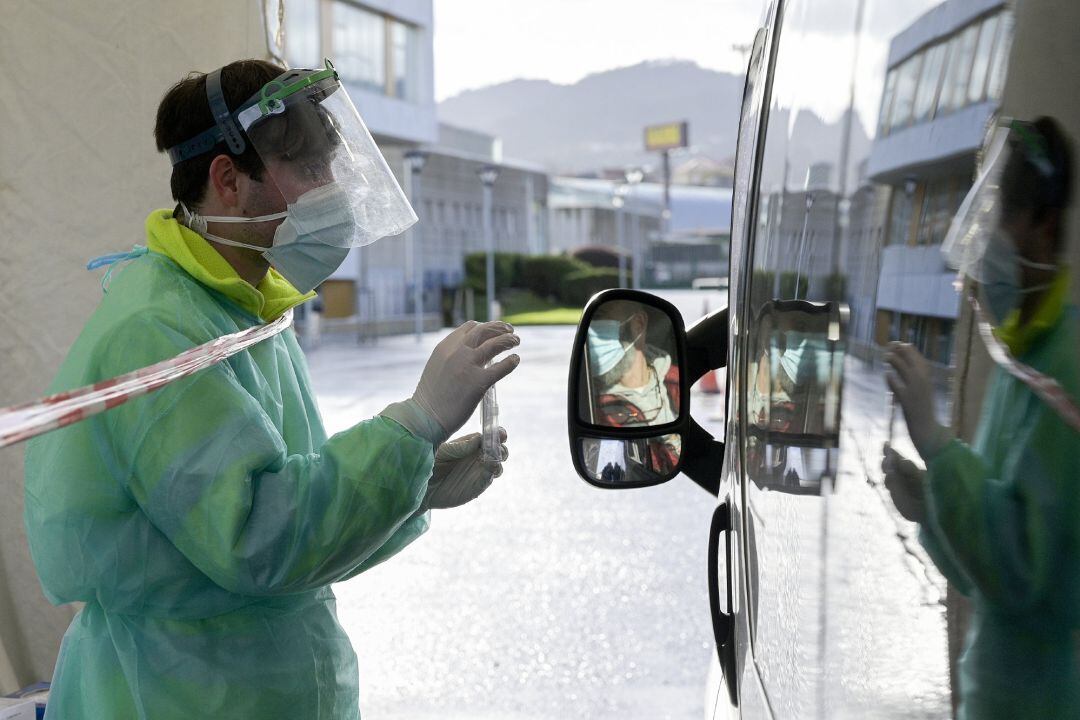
943 84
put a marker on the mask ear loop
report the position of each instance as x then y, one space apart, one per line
196 222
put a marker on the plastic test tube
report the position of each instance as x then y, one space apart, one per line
492 443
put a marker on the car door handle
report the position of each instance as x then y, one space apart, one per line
721 620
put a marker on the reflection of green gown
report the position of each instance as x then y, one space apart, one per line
1004 523
203 524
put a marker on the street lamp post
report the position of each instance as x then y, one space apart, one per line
414 165
633 177
488 175
619 202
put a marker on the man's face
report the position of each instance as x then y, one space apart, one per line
632 319
260 197
294 178
1034 241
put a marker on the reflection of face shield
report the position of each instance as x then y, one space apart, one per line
977 245
977 220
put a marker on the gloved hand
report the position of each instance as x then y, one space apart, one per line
904 481
460 475
455 377
909 379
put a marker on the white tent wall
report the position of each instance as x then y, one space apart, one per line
79 87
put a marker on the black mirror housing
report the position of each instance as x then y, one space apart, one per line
625 448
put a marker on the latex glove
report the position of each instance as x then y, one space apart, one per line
909 379
904 481
455 377
460 475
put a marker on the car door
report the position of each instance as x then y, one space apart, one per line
736 694
874 115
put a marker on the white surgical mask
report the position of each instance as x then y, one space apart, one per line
1001 284
309 245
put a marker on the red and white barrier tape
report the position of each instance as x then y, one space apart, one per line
1045 387
22 422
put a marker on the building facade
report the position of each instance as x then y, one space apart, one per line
943 86
383 50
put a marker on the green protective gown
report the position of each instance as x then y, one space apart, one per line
1003 527
203 524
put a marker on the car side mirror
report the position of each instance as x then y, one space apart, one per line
629 393
795 379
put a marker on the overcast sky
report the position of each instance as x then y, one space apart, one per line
483 42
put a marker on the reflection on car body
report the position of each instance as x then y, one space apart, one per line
863 126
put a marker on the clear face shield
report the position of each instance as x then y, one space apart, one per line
316 150
977 246
320 155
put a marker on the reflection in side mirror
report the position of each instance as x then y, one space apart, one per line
628 399
621 463
630 369
795 385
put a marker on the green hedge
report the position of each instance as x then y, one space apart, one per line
788 288
556 278
508 271
836 286
546 275
578 287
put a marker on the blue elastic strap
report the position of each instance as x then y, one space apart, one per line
112 259
225 127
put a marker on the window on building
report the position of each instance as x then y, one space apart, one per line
886 102
906 84
937 210
900 212
303 37
359 46
961 56
983 54
929 83
404 61
996 81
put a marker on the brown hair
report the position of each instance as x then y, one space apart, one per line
1037 177
184 112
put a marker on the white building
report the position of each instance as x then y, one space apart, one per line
583 214
944 82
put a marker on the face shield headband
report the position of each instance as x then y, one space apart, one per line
227 125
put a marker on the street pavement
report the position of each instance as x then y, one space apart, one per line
544 598
548 598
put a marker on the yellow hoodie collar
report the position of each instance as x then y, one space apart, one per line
269 300
1019 338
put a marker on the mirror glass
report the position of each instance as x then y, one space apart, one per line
630 367
795 381
625 462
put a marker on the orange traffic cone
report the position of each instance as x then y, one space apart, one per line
708 383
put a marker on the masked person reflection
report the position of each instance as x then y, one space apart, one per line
633 381
202 525
1001 516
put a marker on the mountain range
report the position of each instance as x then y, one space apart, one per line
598 122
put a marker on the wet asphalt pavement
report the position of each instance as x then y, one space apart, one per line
544 598
548 598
